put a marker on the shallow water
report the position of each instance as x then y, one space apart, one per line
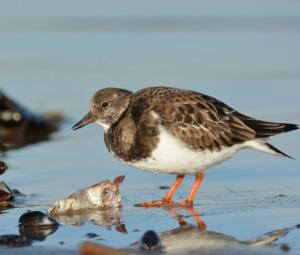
55 55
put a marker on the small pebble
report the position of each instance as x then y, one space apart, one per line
281 195
91 235
285 247
163 187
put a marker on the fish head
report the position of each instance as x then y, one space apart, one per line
110 192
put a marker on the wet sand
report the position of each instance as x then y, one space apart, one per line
55 56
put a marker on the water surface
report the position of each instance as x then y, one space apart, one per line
55 55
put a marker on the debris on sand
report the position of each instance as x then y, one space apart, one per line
102 195
19 126
6 195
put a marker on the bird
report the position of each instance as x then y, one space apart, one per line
176 131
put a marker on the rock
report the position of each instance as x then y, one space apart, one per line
3 167
36 225
19 126
6 194
37 219
150 241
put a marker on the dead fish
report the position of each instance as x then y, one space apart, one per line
190 241
6 194
3 167
103 195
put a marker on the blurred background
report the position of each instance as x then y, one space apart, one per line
55 54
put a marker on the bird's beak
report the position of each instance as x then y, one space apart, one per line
87 119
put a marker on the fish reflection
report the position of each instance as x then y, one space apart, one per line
19 126
107 218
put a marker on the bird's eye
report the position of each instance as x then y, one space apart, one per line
104 104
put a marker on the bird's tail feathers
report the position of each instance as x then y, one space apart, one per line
264 146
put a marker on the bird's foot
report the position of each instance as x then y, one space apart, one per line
155 203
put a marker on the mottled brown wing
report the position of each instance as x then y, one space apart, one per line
200 121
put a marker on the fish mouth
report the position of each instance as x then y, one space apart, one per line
118 180
87 119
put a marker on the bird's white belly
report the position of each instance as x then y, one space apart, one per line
173 156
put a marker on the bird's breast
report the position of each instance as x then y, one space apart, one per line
171 155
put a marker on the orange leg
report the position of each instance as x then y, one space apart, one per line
189 201
201 224
182 222
167 199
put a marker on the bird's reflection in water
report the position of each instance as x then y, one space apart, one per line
193 240
107 218
175 213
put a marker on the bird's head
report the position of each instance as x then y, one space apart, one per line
107 106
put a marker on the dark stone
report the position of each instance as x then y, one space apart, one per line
285 247
3 167
150 241
280 195
37 225
91 235
6 194
20 127
37 219
163 187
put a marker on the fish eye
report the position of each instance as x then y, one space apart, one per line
104 104
106 192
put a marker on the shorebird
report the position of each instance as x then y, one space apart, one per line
176 131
